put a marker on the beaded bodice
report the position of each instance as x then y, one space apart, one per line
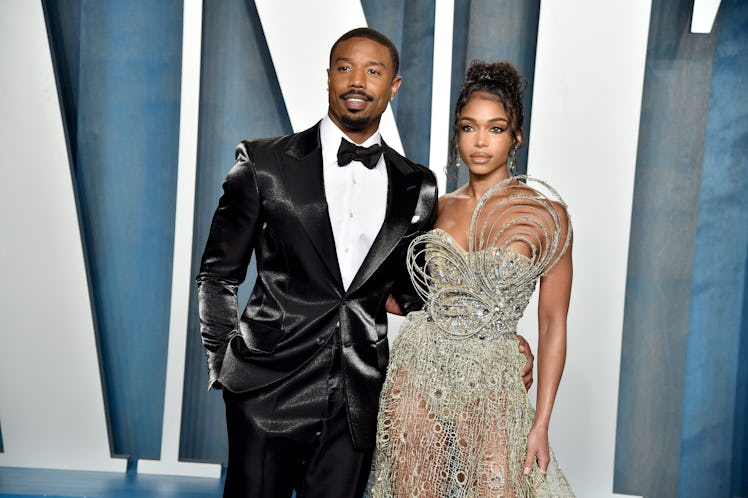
457 296
518 231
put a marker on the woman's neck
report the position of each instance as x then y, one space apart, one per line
478 185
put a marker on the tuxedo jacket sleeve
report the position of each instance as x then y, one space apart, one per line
233 234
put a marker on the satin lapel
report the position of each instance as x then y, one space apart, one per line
306 189
402 196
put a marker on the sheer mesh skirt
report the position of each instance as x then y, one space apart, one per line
454 418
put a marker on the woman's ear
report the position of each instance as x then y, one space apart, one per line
518 139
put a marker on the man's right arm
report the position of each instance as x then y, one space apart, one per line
403 297
233 233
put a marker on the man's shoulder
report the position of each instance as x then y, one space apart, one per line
267 143
280 142
297 145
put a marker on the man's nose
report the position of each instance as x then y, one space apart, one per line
358 79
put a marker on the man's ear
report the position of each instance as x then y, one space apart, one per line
395 86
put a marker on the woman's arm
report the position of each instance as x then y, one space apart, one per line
553 306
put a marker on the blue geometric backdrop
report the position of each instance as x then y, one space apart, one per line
683 399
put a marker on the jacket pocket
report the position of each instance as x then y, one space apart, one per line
263 338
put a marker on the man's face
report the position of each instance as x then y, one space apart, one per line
360 82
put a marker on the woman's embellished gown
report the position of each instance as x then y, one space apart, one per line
454 414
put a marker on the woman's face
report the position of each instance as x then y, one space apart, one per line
484 136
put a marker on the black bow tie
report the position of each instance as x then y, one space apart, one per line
348 151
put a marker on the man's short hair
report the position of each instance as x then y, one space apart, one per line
373 35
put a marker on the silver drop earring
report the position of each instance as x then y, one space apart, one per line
511 163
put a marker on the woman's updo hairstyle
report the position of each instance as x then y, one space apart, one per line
504 83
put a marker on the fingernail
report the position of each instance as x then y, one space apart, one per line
527 471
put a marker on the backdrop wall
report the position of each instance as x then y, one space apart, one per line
684 358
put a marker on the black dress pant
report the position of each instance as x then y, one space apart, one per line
295 439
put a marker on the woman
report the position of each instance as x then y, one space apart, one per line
455 419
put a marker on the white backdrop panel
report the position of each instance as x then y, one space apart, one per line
589 78
51 401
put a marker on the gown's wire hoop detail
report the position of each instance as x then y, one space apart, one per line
523 214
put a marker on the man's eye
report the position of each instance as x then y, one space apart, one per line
374 71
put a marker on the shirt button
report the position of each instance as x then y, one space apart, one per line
350 215
320 340
318 433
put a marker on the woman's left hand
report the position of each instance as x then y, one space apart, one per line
537 449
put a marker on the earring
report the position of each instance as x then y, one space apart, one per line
511 163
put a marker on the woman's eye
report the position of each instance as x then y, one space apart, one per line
466 128
497 129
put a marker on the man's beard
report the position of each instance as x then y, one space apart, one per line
354 123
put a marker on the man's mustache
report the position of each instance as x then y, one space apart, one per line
360 93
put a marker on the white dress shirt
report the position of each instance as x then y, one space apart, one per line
356 200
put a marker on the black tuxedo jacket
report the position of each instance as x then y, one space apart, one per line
274 204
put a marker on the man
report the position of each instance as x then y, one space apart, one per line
330 223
